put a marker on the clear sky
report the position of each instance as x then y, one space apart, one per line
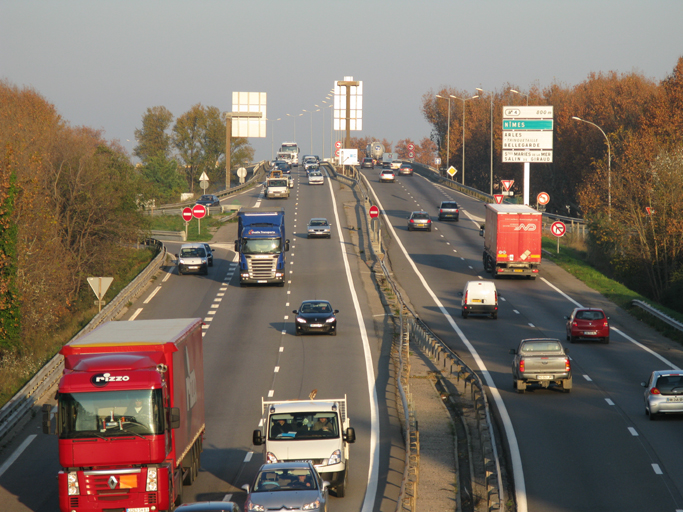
104 62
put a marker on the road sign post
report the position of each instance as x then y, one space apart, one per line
199 212
558 229
100 285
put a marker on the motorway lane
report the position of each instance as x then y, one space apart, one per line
567 465
247 356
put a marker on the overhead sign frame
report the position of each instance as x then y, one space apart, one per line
244 106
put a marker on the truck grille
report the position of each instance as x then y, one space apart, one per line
262 268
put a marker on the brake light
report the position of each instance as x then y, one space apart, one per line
429 221
567 365
605 324
495 296
521 365
440 210
411 220
575 324
466 297
655 391
457 210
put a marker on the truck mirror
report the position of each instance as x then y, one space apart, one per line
47 415
175 418
350 435
481 230
237 246
176 256
257 438
286 245
513 351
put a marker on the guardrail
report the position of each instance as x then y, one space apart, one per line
22 402
658 314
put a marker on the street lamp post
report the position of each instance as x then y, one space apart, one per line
463 130
448 137
491 109
609 166
521 94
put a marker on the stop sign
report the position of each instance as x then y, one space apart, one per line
374 212
187 214
199 211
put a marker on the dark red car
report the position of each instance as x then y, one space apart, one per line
588 323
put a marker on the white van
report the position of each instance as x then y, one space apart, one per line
480 298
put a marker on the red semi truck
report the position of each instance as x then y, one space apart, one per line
130 416
512 240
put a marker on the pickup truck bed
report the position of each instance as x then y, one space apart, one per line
543 362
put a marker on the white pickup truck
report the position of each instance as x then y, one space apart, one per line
309 430
541 361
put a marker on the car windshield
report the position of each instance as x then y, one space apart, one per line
206 198
192 252
316 307
273 480
111 413
541 346
406 166
420 216
285 427
261 246
590 315
318 222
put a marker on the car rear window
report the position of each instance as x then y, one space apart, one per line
420 216
541 346
670 384
449 205
590 315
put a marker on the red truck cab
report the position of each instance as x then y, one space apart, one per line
130 416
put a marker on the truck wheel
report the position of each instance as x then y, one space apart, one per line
567 385
341 488
494 316
520 385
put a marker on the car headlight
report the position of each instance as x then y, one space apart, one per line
330 320
300 320
254 507
72 483
151 480
181 262
335 458
271 458
314 505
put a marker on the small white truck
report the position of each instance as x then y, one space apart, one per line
309 430
276 185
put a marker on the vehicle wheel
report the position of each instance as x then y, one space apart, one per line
281 284
520 385
297 333
457 219
333 333
605 340
429 229
494 315
211 263
567 385
572 339
340 490
179 272
653 416
464 314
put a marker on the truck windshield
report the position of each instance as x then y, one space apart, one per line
111 413
261 246
303 426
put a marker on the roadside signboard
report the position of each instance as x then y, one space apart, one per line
374 212
558 228
187 214
498 198
528 134
199 211
543 198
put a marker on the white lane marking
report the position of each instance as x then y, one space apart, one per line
15 455
248 456
166 278
531 325
134 316
609 402
513 445
515 311
447 243
277 369
657 469
211 312
286 304
222 290
208 319
373 466
151 295
271 393
633 431
588 378
282 349
638 344
227 497
220 295
502 298
214 306
236 257
286 317
284 332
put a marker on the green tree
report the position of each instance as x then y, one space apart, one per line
10 310
160 180
153 139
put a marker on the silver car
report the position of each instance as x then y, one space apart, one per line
288 486
663 393
315 178
419 220
318 227
192 258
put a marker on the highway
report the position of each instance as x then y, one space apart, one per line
250 353
592 449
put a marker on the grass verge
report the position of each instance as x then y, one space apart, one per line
197 230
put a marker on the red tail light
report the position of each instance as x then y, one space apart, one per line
521 365
575 324
567 365
411 220
456 210
655 391
440 210
429 221
495 296
605 324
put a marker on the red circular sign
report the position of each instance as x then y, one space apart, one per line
543 198
558 228
187 214
337 144
411 147
411 154
199 211
374 212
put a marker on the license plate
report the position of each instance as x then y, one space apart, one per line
138 509
261 281
544 377
518 270
590 333
316 325
674 399
477 300
193 268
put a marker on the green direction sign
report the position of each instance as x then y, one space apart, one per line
527 124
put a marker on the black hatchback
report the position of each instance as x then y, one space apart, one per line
209 200
316 316
449 210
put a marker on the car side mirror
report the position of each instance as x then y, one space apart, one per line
246 488
643 384
295 311
566 318
336 311
176 256
513 351
257 437
566 350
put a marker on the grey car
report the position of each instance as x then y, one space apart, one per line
419 220
449 210
663 393
192 258
288 486
318 227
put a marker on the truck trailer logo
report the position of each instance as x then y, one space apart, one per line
190 383
526 227
102 379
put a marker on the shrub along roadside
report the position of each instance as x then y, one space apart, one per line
576 263
209 225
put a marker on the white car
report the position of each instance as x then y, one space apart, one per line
315 178
387 176
396 164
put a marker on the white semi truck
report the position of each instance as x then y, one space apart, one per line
315 430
